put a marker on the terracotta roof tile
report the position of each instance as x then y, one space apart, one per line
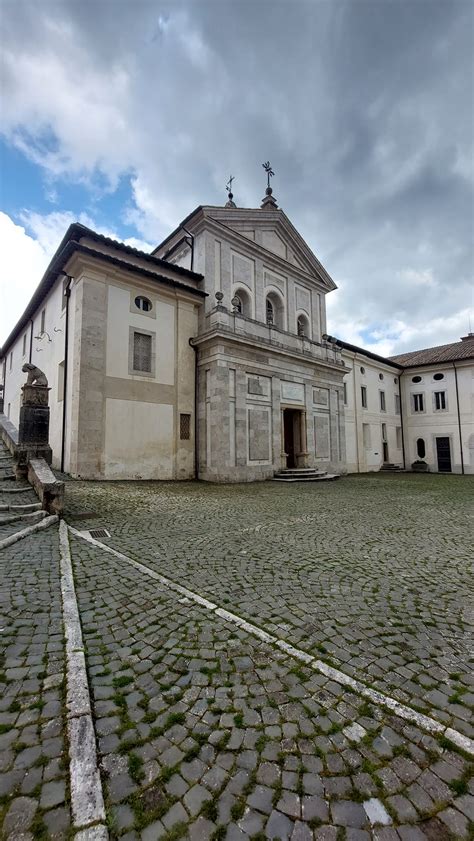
441 353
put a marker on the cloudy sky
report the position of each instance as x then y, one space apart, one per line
126 115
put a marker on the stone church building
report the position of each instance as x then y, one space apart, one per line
209 358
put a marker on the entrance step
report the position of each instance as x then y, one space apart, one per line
390 467
304 474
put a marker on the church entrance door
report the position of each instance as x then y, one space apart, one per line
291 435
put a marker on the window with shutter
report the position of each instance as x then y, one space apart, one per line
142 352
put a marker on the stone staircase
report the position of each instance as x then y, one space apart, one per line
19 506
304 474
387 467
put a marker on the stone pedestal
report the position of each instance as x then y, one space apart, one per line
33 431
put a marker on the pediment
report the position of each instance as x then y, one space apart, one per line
273 231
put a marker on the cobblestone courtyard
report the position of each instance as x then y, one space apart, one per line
206 729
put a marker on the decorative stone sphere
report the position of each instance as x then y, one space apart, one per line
219 297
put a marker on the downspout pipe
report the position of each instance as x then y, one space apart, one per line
459 416
67 294
192 245
401 419
31 340
196 424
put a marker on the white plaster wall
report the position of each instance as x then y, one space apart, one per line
360 457
138 440
432 423
120 319
47 355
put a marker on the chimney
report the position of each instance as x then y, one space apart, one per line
468 338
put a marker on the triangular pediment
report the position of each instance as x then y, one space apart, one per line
273 231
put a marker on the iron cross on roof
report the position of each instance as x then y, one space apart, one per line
228 186
268 169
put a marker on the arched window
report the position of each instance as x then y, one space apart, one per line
241 303
302 326
420 448
269 312
237 302
274 310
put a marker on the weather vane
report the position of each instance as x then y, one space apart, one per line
228 186
268 169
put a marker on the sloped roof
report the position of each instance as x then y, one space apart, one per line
441 353
71 244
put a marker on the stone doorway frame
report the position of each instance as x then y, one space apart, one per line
299 436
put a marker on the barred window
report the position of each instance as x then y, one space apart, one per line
185 427
142 352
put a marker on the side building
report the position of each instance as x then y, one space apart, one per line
110 327
410 411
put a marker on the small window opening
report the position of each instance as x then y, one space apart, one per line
418 403
416 379
363 394
362 370
420 448
24 345
269 312
302 326
438 377
380 376
142 352
440 400
142 303
43 321
382 401
185 427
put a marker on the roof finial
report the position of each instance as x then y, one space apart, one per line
228 186
268 201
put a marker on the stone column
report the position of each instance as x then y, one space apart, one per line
302 458
283 454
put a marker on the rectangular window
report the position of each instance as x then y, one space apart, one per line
8 410
185 427
142 345
345 394
418 402
397 404
24 344
366 435
384 432
11 360
399 437
440 400
382 401
43 321
363 394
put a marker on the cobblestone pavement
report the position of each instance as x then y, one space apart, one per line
203 730
33 759
372 573
206 732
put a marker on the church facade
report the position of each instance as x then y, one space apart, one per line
209 358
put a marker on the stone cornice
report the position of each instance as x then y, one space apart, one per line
229 336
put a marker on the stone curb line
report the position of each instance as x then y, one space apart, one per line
19 535
425 722
87 802
10 490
